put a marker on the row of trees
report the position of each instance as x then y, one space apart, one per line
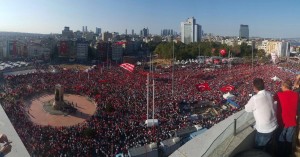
185 51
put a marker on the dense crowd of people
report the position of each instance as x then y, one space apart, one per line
118 123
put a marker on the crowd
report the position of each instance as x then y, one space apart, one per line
118 123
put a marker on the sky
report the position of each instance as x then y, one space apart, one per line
266 18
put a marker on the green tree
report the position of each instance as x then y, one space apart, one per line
261 53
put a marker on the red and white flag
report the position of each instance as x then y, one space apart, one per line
227 88
203 87
127 66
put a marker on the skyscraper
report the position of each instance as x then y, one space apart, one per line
125 31
144 32
98 31
244 31
190 31
132 32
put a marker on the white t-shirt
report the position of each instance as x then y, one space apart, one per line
264 111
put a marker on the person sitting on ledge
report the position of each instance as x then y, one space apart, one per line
6 148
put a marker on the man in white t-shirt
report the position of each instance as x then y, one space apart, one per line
264 111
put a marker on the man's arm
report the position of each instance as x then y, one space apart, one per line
250 107
5 150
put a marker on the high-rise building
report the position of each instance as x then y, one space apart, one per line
190 31
244 32
144 32
107 36
132 32
125 31
67 33
82 49
168 32
98 31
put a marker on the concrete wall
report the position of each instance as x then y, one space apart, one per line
205 144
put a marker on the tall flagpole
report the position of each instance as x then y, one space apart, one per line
173 72
153 88
252 55
147 86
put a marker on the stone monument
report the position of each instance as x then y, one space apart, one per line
59 97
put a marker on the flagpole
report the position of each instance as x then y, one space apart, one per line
153 88
147 86
173 72
252 55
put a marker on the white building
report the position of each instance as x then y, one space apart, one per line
67 33
263 45
280 48
190 31
35 50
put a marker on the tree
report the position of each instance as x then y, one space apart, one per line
246 50
261 53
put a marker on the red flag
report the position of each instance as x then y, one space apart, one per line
102 81
227 88
127 66
203 87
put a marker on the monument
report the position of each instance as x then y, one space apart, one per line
58 105
59 97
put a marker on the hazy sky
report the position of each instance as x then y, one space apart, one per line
266 18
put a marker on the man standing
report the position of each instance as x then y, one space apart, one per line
264 112
287 117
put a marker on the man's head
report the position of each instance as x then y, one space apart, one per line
286 85
258 84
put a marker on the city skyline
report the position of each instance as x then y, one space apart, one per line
276 19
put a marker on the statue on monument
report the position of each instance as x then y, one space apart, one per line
59 97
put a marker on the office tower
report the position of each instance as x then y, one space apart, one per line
125 31
107 36
67 33
244 31
190 31
98 31
144 32
132 32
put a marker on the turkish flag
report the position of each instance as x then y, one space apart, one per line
127 66
203 87
227 88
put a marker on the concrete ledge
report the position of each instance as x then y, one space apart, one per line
244 140
204 144
18 148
